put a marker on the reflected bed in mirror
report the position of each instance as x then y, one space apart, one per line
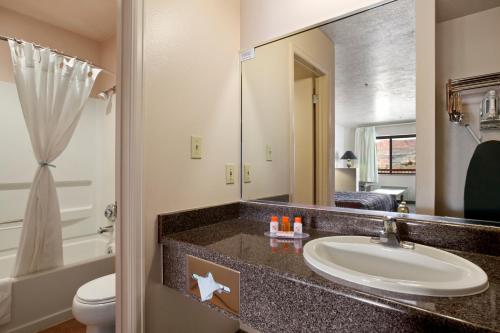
329 116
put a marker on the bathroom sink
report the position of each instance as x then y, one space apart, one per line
422 270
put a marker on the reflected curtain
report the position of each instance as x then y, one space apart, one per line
52 91
365 147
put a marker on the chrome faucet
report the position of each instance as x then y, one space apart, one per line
389 235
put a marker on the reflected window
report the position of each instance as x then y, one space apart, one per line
396 154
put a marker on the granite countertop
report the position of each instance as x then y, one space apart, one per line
244 240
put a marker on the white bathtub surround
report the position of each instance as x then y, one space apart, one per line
52 90
5 299
84 174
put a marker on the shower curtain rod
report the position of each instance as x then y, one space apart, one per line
5 38
388 124
110 90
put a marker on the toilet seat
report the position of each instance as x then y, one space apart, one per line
98 291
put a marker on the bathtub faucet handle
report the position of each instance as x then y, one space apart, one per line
111 211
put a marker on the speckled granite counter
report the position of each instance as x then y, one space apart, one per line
280 293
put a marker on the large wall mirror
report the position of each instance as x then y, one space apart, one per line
329 115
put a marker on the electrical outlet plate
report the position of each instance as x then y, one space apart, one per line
246 173
196 142
230 174
269 153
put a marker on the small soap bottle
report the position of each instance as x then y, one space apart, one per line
285 223
297 225
273 227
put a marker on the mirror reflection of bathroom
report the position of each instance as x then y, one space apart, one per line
330 114
57 171
357 73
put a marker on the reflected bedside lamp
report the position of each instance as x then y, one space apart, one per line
349 156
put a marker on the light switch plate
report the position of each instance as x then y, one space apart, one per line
269 153
196 142
246 173
230 174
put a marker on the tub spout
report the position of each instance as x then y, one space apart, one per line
102 230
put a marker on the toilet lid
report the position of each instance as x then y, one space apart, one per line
100 290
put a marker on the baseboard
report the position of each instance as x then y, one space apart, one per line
44 322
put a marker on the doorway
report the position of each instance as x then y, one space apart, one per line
309 174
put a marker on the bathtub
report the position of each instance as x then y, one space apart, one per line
44 299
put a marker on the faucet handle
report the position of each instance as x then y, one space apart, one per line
390 224
110 212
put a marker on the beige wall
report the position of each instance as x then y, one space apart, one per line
466 46
13 24
425 105
344 140
267 100
266 20
107 59
191 87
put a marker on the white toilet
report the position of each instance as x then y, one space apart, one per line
94 305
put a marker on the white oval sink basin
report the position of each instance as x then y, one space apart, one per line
423 270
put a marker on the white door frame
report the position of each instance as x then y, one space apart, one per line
130 271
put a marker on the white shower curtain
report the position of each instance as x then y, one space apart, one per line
52 90
365 147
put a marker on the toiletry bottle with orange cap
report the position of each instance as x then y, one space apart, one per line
297 225
273 227
285 223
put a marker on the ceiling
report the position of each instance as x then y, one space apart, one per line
450 9
94 19
375 65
